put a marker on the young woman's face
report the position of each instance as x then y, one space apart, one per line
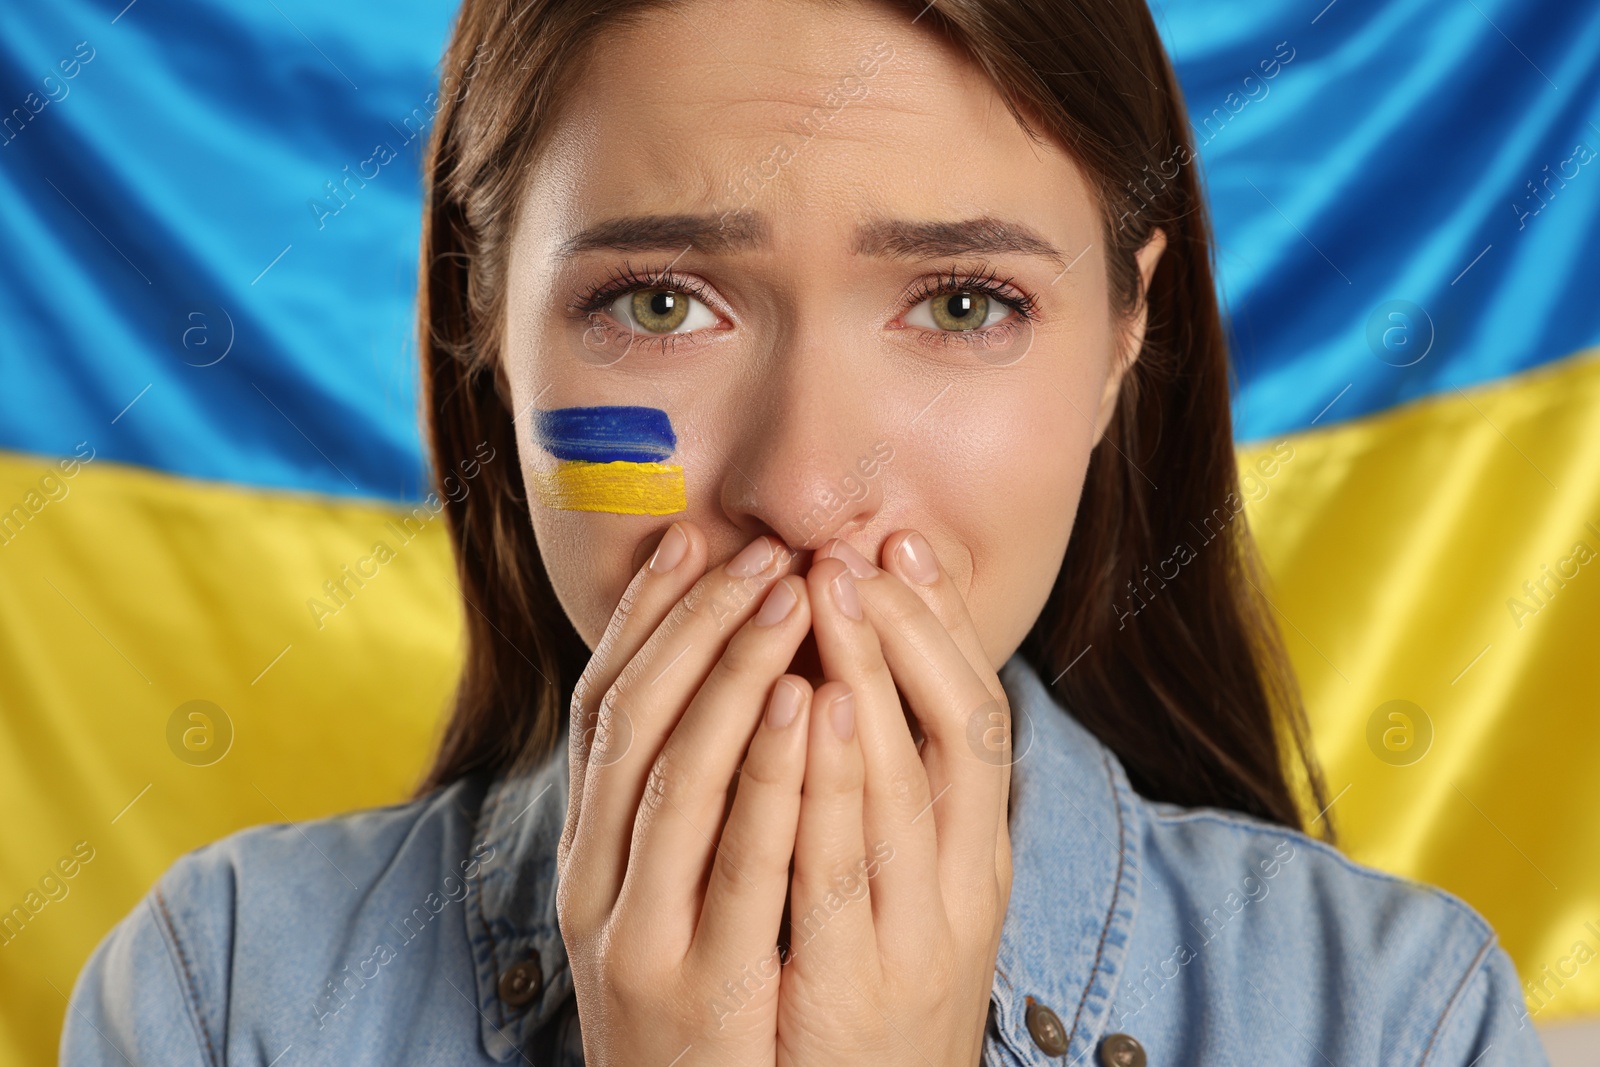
850 223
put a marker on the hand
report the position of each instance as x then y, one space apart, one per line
902 866
672 939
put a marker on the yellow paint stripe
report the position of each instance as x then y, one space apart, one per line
1397 545
620 487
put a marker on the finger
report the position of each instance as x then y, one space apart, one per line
830 918
897 793
643 705
680 816
750 874
964 753
678 560
907 554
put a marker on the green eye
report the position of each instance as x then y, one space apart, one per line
660 310
958 311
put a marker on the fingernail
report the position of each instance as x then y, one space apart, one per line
845 596
784 705
780 601
916 557
671 550
842 551
843 714
752 559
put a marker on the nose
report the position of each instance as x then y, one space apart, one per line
805 464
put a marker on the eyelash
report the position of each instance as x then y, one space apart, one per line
982 280
985 281
629 280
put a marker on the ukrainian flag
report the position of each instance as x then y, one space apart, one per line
608 458
226 597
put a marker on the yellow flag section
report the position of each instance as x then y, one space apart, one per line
1436 573
180 659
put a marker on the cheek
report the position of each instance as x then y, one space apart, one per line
599 478
591 556
996 491
1002 480
580 560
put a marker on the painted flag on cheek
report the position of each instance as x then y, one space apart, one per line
609 458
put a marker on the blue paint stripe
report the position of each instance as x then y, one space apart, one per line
606 434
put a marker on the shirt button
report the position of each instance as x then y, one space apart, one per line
521 983
1044 1026
1121 1050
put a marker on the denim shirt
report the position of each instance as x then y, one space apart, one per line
426 933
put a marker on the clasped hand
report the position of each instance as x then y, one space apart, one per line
701 770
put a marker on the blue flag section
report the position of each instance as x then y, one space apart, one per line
215 210
1433 160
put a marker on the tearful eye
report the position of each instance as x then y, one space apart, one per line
659 311
958 311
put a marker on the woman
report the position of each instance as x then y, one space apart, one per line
816 329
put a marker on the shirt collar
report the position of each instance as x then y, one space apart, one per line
1076 827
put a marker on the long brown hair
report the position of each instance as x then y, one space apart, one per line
1156 635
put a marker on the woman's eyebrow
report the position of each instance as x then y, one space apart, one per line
728 231
735 231
919 239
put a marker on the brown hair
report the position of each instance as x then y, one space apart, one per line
1181 674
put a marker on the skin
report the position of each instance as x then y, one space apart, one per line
802 357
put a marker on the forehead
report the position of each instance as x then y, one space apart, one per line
817 115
